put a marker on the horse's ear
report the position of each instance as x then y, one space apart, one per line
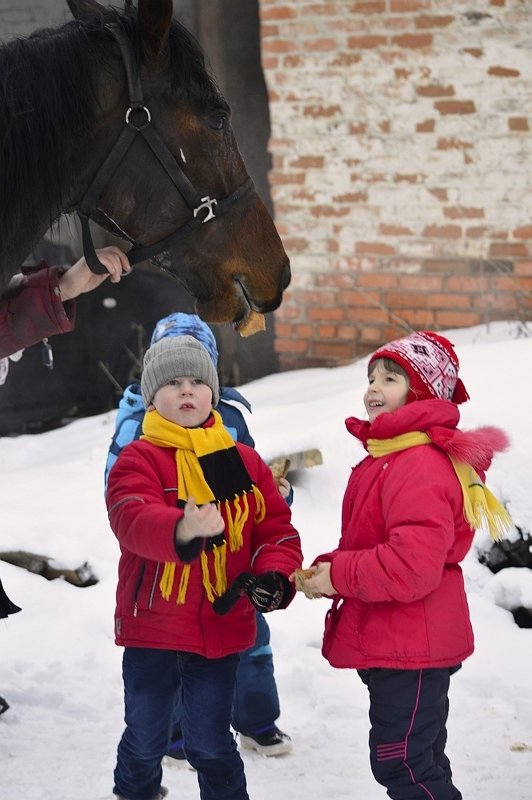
87 9
155 18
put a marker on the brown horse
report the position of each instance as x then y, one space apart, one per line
114 115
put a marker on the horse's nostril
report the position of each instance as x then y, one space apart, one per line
286 275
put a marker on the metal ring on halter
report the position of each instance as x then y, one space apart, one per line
138 108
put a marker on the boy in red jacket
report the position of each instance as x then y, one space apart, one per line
193 511
400 614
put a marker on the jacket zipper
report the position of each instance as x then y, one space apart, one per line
137 589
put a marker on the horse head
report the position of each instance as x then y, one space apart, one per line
232 262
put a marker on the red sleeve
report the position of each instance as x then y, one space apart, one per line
31 309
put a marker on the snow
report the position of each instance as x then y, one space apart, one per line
61 671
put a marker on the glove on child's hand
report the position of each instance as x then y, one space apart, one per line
266 592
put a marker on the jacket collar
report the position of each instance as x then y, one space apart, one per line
418 416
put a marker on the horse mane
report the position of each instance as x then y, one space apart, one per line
48 99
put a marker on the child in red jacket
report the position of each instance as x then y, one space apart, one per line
193 511
400 614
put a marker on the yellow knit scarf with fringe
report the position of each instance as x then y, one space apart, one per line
481 507
209 469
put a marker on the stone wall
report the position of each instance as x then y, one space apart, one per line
401 148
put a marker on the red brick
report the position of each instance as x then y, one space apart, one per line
366 42
524 232
291 346
435 90
308 162
402 300
453 144
321 45
511 283
369 334
376 315
421 283
321 111
457 319
465 283
406 6
463 213
277 46
326 331
369 6
276 12
508 250
418 318
455 106
523 268
322 314
426 21
518 124
294 244
374 247
427 126
356 299
334 350
327 211
442 231
377 280
454 301
413 40
503 72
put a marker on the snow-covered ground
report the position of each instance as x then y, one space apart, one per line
59 667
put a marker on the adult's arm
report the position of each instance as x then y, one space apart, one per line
40 303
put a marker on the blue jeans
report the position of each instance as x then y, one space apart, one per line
256 701
153 679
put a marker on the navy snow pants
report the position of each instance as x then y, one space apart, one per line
408 715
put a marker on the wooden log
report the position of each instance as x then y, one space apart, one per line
43 565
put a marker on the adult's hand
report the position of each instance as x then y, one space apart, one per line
80 279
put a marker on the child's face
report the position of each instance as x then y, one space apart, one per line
387 391
186 401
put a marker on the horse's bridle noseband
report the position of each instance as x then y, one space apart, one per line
138 123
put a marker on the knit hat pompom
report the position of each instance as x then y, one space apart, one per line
177 357
431 364
181 324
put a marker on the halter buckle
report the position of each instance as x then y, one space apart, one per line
207 203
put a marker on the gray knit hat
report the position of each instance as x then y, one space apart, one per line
176 357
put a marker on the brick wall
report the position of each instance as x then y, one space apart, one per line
402 152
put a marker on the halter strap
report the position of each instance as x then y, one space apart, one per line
203 208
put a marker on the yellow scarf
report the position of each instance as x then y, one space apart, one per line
481 507
210 469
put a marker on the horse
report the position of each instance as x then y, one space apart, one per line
113 115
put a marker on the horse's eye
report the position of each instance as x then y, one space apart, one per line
216 122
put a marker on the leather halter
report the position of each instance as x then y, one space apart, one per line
138 123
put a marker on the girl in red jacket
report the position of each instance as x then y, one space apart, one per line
195 514
400 614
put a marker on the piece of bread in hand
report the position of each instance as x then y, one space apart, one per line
300 576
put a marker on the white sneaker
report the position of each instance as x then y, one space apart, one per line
271 742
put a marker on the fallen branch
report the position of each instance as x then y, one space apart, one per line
43 565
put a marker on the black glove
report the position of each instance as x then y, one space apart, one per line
266 592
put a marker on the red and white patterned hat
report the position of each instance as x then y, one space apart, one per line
430 363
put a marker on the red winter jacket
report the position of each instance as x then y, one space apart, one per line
141 499
31 309
402 602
